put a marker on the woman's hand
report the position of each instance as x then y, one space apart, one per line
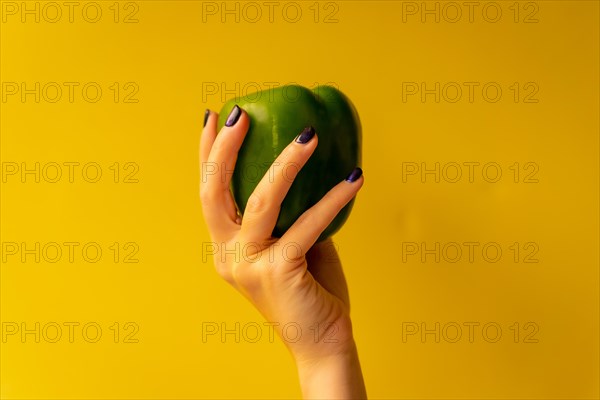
298 286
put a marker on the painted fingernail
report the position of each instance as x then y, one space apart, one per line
206 115
307 134
354 175
234 115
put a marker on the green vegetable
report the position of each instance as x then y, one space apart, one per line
277 116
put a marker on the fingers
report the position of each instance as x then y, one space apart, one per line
262 208
306 230
218 154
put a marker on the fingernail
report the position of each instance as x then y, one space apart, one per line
354 175
307 134
234 115
206 115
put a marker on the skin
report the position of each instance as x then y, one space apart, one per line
290 280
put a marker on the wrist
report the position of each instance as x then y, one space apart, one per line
332 376
312 358
326 341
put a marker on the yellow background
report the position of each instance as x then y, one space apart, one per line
172 55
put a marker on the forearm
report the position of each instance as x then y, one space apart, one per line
333 377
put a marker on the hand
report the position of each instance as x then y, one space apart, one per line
296 285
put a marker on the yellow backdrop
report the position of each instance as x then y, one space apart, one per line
471 253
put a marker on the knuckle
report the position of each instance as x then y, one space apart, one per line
293 257
207 196
309 219
334 201
256 203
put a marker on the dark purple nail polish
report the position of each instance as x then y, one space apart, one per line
206 115
234 115
307 134
354 175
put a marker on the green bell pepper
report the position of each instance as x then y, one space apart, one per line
277 116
